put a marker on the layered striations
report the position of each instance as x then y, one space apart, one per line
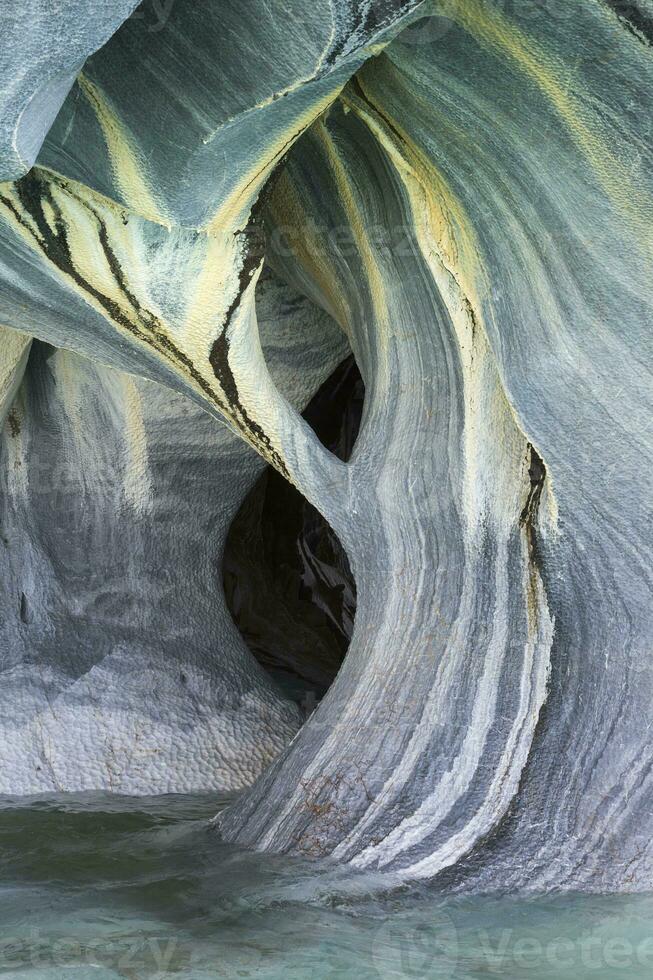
469 198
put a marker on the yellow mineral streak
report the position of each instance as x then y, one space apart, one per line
13 347
14 351
127 165
258 106
492 30
86 251
292 222
494 442
257 393
375 278
234 211
76 379
216 284
136 473
81 213
125 299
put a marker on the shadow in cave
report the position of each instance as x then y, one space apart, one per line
287 579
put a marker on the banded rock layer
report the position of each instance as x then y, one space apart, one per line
468 198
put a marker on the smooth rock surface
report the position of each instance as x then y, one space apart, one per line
121 668
44 44
468 195
506 153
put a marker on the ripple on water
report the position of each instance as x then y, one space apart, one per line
102 886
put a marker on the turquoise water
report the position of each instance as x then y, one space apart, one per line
104 887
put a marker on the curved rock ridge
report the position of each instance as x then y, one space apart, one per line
121 666
287 580
149 243
43 49
15 351
467 193
527 200
419 746
140 252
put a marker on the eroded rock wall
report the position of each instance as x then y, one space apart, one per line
121 668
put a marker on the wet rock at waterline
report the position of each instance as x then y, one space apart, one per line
468 199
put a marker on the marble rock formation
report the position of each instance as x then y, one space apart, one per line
121 666
464 190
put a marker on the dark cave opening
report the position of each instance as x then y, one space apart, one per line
287 580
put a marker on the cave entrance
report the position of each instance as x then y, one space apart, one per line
287 580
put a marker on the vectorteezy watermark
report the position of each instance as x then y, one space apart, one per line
415 949
591 952
426 949
436 950
157 956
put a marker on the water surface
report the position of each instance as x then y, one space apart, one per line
98 886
